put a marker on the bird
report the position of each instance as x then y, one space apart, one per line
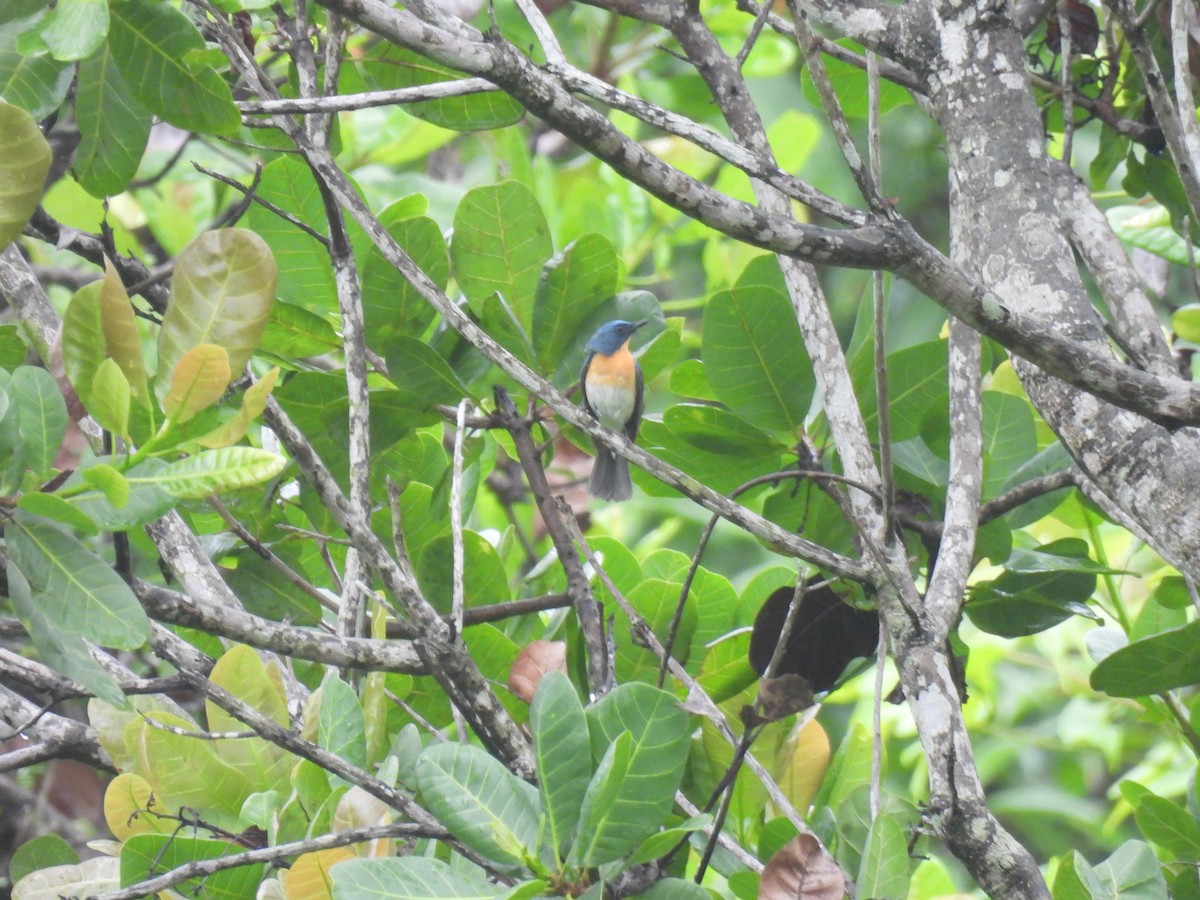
611 381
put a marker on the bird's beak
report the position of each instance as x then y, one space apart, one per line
637 325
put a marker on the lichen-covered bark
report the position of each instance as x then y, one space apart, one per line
1012 234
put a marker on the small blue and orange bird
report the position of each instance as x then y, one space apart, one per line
612 392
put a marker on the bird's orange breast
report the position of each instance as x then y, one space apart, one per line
616 370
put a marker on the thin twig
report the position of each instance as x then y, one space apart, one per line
456 519
290 574
833 109
887 475
456 538
751 39
877 726
195 733
1067 80
266 204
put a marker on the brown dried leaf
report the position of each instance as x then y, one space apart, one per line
782 696
532 663
802 870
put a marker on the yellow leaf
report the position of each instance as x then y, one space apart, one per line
122 340
254 401
199 380
801 764
127 805
309 878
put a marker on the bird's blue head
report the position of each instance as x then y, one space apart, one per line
610 336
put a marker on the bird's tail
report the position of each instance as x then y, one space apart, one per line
610 476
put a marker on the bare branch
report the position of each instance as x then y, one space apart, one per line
303 643
272 855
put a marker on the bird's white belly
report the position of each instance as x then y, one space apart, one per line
613 405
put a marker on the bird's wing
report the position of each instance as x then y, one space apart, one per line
631 427
587 362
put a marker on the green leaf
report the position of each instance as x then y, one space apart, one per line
221 293
482 804
655 601
1009 439
388 67
718 471
610 818
1148 227
1076 880
341 728
917 386
263 765
146 855
675 889
75 28
13 348
153 44
563 756
754 357
24 161
662 842
629 803
55 508
417 368
113 127
292 330
83 340
1133 873
1150 666
40 853
500 243
885 869
689 380
59 649
726 670
850 84
721 432
36 84
1039 589
1185 322
110 398
78 592
216 471
484 578
408 878
21 9
264 592
1053 458
1170 826
114 485
197 382
1172 593
305 272
392 306
144 501
41 416
572 286
122 340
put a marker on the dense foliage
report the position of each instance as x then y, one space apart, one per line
295 537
